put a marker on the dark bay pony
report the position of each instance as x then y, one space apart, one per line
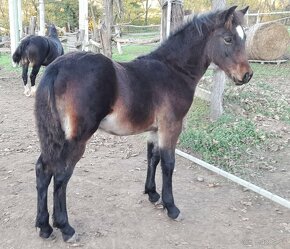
39 51
82 92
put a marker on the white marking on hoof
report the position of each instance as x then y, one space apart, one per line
179 217
74 239
26 91
33 90
159 204
51 237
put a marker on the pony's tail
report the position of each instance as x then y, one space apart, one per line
19 52
51 135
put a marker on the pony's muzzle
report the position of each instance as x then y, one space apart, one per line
247 77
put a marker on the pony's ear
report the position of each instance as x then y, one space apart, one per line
226 16
244 11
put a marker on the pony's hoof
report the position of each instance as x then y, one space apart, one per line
33 91
47 233
174 213
26 91
154 197
73 239
51 237
179 217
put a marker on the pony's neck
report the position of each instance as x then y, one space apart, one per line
186 51
53 35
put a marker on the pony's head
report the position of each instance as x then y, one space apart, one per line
52 32
226 46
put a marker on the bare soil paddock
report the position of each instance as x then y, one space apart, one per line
105 200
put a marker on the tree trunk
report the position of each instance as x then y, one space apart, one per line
83 23
41 18
146 11
96 34
13 20
32 25
170 21
216 104
106 33
20 28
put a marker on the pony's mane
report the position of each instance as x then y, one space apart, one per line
208 20
194 30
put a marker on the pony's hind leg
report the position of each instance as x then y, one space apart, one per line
33 75
43 178
72 153
24 78
153 158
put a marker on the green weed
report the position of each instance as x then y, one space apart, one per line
222 142
130 52
6 63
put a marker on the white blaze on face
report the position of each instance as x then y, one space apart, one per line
240 32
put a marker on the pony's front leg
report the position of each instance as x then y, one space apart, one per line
153 158
43 178
33 75
168 136
24 78
167 165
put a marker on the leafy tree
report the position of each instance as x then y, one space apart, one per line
62 12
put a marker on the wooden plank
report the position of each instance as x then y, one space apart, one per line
4 43
137 41
278 62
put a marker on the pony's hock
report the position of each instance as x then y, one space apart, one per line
81 92
37 51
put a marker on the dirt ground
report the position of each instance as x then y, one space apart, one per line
106 203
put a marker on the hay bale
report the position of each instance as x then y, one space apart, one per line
267 41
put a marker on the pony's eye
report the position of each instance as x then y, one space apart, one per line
228 39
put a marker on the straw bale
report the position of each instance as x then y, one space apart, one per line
267 41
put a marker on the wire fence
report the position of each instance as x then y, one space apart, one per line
282 16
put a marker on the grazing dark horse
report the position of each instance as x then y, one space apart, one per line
81 92
39 51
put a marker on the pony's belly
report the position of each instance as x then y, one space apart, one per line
120 126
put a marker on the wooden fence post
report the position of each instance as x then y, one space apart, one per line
83 24
172 16
105 32
41 18
32 25
216 103
13 20
20 28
